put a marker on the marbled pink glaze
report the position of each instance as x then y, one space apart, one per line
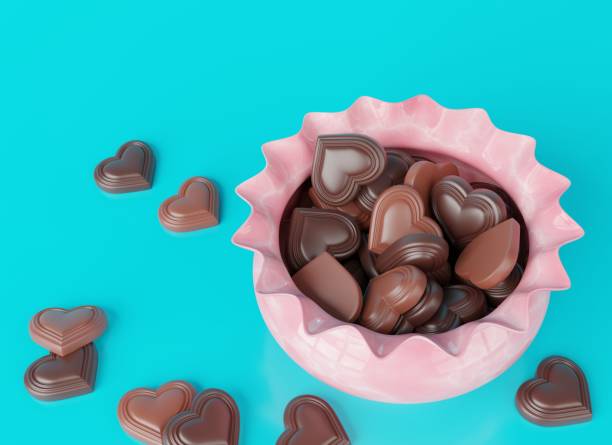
409 368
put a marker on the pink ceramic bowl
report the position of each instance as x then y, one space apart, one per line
410 368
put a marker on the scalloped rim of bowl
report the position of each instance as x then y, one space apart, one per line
408 368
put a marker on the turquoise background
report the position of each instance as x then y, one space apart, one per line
207 84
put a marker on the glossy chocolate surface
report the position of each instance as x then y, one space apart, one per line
442 321
310 420
426 251
423 175
361 216
195 207
331 286
559 395
467 302
427 306
367 258
130 170
343 163
55 378
496 295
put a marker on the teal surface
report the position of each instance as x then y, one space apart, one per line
207 83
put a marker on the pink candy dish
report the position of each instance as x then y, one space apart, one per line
411 368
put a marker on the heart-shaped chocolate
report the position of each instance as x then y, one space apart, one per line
442 321
310 420
342 163
391 294
399 211
426 251
491 256
467 302
143 413
314 231
195 207
463 212
361 216
559 395
55 378
331 286
64 331
213 419
130 170
427 306
496 295
423 175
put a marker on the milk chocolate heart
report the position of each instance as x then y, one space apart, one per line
398 212
467 302
130 170
213 419
390 295
361 216
331 286
64 331
559 395
393 174
55 378
427 306
426 251
314 231
491 256
143 413
423 175
195 207
463 212
344 162
310 420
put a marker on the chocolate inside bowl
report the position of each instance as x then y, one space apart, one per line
401 240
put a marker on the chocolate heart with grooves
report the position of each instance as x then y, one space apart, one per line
143 413
325 281
212 419
423 175
55 378
314 231
361 216
442 321
559 395
391 294
496 295
195 207
130 170
467 302
491 256
463 212
398 212
393 174
344 162
426 251
64 331
427 306
310 420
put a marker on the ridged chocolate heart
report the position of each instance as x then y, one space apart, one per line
463 212
212 419
559 395
55 378
143 413
496 295
331 286
310 420
467 302
195 207
398 212
423 175
427 306
361 216
130 170
390 295
426 251
442 321
344 162
314 231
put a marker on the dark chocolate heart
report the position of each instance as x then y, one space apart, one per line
310 420
427 306
559 395
212 419
442 321
314 231
195 207
399 211
426 251
344 162
467 302
130 170
463 212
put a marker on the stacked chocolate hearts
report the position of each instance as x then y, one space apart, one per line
398 243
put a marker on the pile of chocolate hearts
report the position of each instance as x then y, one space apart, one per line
398 243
